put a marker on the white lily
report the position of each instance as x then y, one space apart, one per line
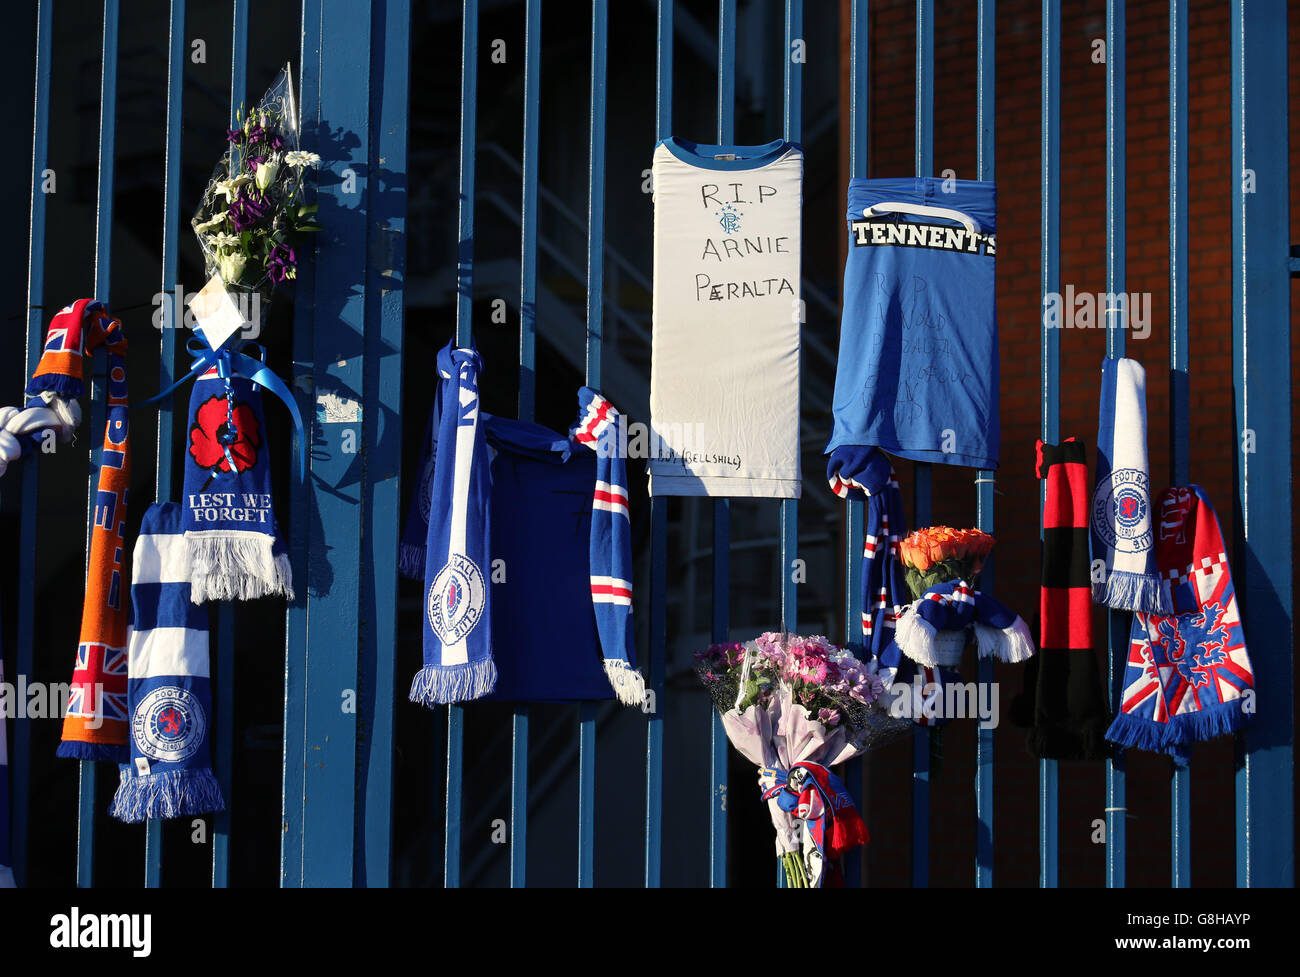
224 240
230 266
211 222
228 188
266 172
298 158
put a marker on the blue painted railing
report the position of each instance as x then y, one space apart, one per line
348 337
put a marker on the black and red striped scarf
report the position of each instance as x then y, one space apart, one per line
1063 703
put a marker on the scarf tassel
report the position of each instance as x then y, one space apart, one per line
410 560
170 794
628 683
1177 736
920 641
237 567
1135 591
1010 644
82 750
440 684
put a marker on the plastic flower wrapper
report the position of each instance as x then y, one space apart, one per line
251 217
786 700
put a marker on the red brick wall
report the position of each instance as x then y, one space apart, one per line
1083 241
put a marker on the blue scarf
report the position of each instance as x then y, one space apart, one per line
858 472
951 608
168 686
235 545
458 661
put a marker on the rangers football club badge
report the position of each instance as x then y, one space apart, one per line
456 599
1121 514
169 725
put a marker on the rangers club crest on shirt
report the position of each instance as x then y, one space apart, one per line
1121 514
169 725
456 599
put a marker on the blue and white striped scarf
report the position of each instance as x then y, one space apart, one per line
168 684
458 661
1120 519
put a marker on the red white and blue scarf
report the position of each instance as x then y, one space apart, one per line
812 793
1188 676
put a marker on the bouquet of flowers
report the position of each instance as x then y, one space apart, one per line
942 567
251 213
795 706
940 554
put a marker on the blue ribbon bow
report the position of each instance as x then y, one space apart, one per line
230 363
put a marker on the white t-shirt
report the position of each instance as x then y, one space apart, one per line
724 376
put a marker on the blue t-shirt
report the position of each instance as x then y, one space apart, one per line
544 637
918 360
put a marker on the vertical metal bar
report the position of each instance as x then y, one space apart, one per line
464 334
293 771
381 435
718 734
721 507
1179 391
855 509
223 733
985 79
654 775
1050 391
86 806
527 386
595 350
1117 622
1261 340
21 760
333 629
921 493
171 303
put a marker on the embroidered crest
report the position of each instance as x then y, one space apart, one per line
169 725
1121 515
456 599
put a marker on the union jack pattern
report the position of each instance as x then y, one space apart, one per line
1188 676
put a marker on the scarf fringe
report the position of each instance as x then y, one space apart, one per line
82 750
1126 590
65 386
628 683
1010 644
441 684
170 794
410 561
237 567
918 640
1177 736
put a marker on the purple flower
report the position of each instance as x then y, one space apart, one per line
255 133
280 264
276 142
828 717
253 162
246 211
235 136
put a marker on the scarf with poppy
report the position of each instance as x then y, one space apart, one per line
235 546
94 726
168 683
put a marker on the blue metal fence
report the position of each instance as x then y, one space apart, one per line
341 631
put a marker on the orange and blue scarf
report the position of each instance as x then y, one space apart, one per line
95 725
